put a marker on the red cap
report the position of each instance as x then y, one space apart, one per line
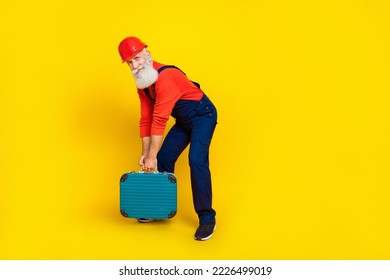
129 47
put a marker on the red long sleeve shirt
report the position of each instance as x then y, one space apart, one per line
170 86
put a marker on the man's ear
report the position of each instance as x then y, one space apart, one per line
148 56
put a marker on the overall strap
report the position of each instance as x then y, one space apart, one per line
146 90
147 93
173 66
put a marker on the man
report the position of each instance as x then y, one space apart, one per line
165 91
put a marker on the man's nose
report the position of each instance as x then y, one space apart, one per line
133 64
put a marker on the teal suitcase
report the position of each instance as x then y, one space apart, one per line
148 195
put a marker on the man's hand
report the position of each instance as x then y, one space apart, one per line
149 163
141 162
150 147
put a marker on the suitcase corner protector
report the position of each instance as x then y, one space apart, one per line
124 177
172 214
172 178
124 214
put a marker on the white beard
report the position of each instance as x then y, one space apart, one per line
145 75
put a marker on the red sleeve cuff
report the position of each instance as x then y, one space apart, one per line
157 131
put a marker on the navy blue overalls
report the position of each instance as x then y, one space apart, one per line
195 124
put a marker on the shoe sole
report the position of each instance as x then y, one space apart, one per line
207 237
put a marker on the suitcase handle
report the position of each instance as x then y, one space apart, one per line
155 171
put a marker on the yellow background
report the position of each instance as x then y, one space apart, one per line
300 157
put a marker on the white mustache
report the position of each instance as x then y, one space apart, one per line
136 70
146 77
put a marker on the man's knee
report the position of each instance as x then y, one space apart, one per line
166 161
163 157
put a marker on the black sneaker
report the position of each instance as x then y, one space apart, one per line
145 220
204 232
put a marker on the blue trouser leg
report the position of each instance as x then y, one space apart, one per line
201 135
174 144
198 132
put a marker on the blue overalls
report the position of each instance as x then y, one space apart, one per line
195 124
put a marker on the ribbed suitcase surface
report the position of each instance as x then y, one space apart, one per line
148 195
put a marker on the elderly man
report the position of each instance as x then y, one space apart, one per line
165 91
